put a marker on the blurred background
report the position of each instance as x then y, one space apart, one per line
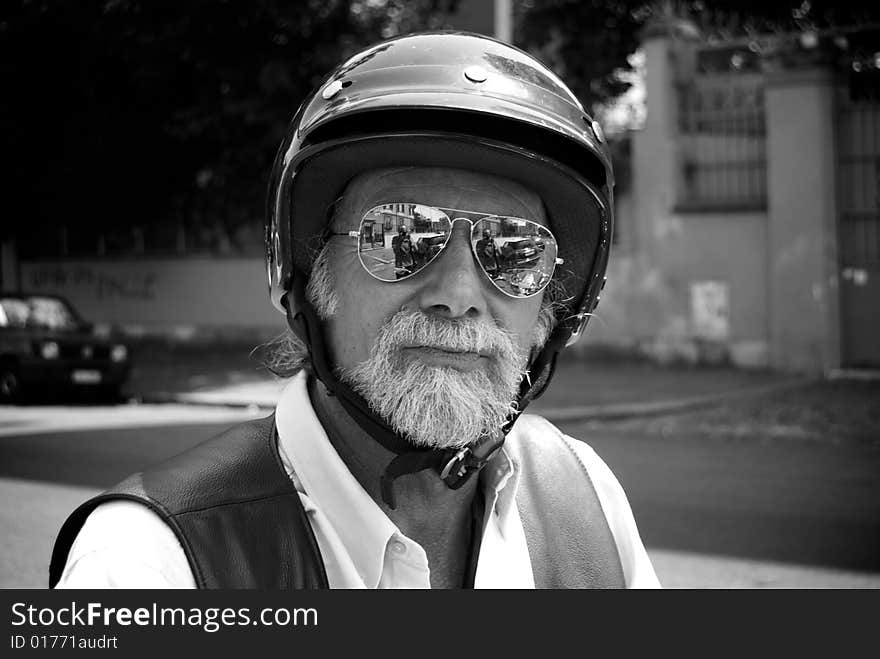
731 378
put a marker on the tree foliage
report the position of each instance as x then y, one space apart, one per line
588 41
126 112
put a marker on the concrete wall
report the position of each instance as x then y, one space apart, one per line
650 303
153 295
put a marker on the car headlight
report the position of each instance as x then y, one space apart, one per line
119 353
49 350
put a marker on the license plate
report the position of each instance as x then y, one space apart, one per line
82 376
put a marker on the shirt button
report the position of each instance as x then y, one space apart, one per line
398 547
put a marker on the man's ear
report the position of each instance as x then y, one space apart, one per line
304 322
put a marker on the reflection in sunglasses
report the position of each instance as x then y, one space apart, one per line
397 240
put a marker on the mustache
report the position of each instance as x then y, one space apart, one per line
440 407
407 329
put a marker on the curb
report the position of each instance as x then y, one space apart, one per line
660 408
572 413
167 398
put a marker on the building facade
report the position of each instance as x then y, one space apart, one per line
751 230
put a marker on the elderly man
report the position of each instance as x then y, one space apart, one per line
398 455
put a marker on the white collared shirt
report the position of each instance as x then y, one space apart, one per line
123 544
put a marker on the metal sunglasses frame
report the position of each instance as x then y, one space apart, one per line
452 220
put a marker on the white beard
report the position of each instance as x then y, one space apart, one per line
439 406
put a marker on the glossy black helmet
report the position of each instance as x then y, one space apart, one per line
447 99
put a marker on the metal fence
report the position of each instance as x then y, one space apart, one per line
859 180
858 197
722 129
160 239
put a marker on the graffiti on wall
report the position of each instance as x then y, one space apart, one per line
106 285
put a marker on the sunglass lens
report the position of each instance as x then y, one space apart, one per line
397 240
518 255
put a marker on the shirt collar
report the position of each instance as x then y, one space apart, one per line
363 528
360 524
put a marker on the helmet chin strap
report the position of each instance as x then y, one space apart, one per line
454 466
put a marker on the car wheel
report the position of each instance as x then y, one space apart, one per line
10 386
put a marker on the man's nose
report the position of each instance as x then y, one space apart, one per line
454 286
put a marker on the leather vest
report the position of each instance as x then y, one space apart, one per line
241 523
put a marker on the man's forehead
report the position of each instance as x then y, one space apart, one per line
435 186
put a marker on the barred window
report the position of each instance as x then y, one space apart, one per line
723 142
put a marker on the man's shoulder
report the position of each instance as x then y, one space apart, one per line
560 495
537 438
532 428
234 481
532 431
125 544
224 468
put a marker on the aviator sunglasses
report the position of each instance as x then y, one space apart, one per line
398 240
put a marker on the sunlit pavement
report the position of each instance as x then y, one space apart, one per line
30 518
677 569
34 510
29 420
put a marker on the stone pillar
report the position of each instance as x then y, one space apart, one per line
643 289
655 148
802 208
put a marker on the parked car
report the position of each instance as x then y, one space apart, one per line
428 246
520 253
45 345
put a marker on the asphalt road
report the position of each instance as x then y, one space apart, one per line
803 503
788 503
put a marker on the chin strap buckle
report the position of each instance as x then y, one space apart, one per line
466 462
455 472
457 460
